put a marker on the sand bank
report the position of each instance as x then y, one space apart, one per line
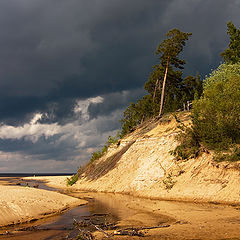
58 182
141 165
186 220
23 204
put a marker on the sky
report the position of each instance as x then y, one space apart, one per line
68 69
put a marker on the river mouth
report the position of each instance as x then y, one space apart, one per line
155 218
102 210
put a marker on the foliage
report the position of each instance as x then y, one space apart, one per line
178 90
216 115
72 180
232 53
233 155
221 74
96 155
169 50
188 147
136 113
171 47
174 87
192 88
111 140
216 118
169 182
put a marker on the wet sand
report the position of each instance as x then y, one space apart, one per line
20 204
186 220
54 228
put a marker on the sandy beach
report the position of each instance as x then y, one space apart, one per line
187 220
20 204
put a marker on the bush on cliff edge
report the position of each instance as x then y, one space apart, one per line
215 117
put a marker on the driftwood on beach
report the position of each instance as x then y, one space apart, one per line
87 235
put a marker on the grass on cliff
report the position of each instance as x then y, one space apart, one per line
111 140
95 170
232 155
72 180
189 146
168 182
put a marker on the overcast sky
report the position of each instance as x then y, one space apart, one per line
68 69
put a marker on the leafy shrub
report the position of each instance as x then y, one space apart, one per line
169 182
216 115
233 155
188 147
72 180
96 155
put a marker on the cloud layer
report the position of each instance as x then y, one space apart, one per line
69 68
70 143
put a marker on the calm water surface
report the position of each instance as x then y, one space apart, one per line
191 220
61 226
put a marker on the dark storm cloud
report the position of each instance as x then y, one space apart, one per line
52 51
56 49
76 139
80 63
43 149
113 101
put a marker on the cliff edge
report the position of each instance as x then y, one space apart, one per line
141 165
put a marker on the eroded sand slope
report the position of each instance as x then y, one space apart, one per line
146 163
141 163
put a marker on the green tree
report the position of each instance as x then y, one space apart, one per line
130 119
215 118
216 115
192 88
136 113
173 86
232 53
178 90
169 50
169 68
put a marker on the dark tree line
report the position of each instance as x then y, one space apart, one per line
232 53
216 114
166 87
216 105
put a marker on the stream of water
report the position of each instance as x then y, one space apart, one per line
101 207
186 220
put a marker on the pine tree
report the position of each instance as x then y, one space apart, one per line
169 68
232 53
169 50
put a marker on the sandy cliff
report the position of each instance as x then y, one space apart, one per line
141 165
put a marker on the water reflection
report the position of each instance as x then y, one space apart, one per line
116 207
186 220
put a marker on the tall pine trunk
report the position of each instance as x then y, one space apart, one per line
163 88
155 89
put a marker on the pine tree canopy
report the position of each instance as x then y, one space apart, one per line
171 47
232 53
